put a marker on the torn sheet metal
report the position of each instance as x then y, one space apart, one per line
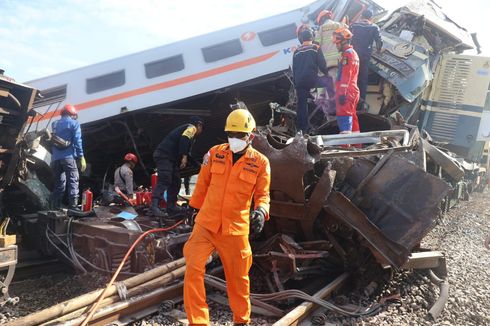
289 163
435 17
399 198
384 249
449 165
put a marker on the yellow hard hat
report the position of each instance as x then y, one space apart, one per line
240 120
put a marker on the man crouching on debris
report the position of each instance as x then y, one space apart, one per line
230 175
123 177
67 150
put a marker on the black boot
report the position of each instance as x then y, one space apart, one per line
73 203
155 210
54 204
174 209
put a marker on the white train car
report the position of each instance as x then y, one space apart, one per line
171 72
182 69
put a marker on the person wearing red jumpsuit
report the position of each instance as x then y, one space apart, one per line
346 90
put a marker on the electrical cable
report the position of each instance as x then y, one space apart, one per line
288 294
79 256
94 307
70 248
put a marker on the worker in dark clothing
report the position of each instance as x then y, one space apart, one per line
171 155
123 177
307 60
66 151
365 34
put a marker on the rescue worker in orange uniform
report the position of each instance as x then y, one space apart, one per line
346 90
232 175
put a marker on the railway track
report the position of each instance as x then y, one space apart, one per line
138 297
36 268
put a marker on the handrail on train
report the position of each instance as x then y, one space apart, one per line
372 137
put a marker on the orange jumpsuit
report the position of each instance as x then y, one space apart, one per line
223 195
346 85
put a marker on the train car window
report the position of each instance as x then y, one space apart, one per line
104 82
278 34
222 50
164 66
50 96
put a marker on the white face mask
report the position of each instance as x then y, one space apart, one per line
237 145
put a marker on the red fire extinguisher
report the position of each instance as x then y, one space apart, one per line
87 200
154 180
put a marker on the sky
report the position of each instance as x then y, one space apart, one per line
39 38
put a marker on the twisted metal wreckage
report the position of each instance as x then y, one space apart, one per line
334 209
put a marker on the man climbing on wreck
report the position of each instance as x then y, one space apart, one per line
232 174
308 60
67 151
365 33
171 155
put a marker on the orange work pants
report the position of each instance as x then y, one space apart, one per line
236 256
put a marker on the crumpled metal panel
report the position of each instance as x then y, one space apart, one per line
385 250
450 165
296 200
410 75
399 198
289 163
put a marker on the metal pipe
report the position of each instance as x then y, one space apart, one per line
297 313
131 293
117 309
89 298
438 306
360 138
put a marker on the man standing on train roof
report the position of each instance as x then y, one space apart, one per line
67 150
171 155
365 33
123 176
307 60
232 174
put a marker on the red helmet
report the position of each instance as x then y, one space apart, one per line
70 109
131 157
324 13
341 34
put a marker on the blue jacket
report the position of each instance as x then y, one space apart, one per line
307 60
365 33
68 129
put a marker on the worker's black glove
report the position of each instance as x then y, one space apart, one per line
342 99
190 215
257 220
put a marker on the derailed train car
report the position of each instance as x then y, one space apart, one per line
332 209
